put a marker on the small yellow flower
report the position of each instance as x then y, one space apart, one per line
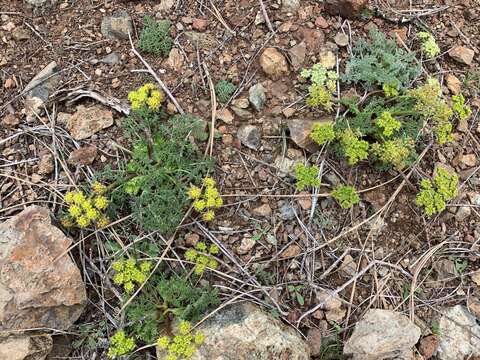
163 342
103 222
78 197
83 221
209 182
69 197
199 338
98 188
171 357
208 216
201 246
128 286
194 193
199 269
184 327
211 202
218 202
214 250
211 193
212 264
199 205
145 267
92 214
100 202
75 210
190 255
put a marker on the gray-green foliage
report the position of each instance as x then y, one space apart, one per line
224 90
381 62
165 160
155 38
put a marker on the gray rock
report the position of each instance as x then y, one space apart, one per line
463 213
290 5
332 179
459 334
382 334
39 89
117 26
287 211
87 121
110 59
297 55
249 136
300 130
40 7
246 332
257 96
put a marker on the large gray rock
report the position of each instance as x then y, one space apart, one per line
40 286
459 334
39 89
382 334
117 26
24 347
246 332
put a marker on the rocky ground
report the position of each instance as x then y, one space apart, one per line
331 282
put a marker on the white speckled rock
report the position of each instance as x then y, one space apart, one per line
246 332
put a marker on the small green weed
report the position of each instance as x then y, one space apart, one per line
323 85
224 90
296 291
429 46
306 176
183 344
346 196
433 195
155 38
322 133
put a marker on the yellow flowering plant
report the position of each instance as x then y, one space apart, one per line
206 200
120 345
183 344
146 96
202 256
86 209
129 272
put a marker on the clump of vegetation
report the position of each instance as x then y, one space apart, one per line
396 152
322 133
306 176
224 90
183 344
86 209
165 159
381 62
161 299
202 256
388 124
207 199
120 345
354 148
346 196
429 46
146 96
155 37
459 107
434 195
129 273
430 103
323 85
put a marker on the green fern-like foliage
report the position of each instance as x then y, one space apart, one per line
346 196
224 90
160 299
434 195
380 61
306 176
153 184
155 38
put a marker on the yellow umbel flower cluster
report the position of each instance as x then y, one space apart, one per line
183 345
85 210
120 345
146 96
207 200
129 273
202 257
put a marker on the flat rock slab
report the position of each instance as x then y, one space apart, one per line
40 286
24 347
246 332
382 334
87 121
